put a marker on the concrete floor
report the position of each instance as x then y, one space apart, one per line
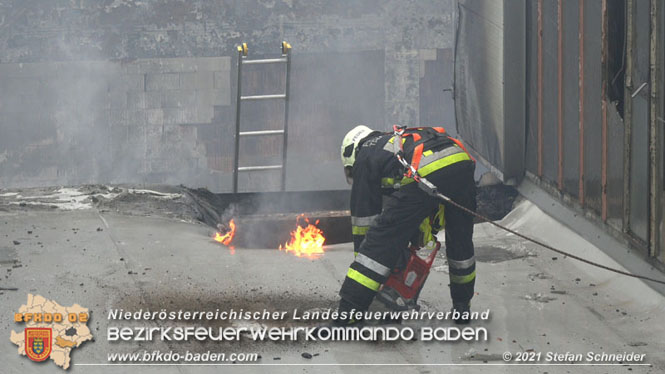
539 300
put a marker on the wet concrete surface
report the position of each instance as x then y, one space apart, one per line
102 259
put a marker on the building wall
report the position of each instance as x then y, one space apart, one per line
489 83
135 91
594 109
589 135
80 122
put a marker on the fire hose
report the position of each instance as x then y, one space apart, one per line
431 190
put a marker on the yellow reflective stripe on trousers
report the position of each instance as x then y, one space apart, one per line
462 279
359 230
364 280
438 164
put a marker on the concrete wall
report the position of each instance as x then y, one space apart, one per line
99 121
115 90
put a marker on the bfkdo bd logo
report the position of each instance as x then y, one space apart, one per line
51 331
38 343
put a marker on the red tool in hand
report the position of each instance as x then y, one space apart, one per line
401 290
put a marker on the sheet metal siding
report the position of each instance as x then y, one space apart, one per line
531 161
514 50
571 98
479 90
614 167
550 91
639 158
661 85
592 104
592 160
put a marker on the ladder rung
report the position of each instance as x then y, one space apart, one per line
262 132
263 97
264 61
255 168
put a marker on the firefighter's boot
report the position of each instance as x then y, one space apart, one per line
464 310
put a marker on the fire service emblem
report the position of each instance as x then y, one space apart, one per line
38 343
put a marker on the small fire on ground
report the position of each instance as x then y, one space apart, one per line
226 238
305 241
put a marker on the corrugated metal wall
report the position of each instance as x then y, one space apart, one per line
594 96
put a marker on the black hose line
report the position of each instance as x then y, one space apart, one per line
431 189
485 219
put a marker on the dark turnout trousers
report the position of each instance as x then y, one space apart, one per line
389 236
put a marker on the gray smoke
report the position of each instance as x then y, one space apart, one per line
129 91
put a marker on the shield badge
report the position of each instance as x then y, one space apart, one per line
38 343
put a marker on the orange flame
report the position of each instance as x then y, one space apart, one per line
307 241
227 238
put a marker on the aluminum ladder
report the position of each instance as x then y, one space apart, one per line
286 59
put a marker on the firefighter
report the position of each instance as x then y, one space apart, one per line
380 233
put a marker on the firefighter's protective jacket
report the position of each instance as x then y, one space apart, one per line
382 233
377 172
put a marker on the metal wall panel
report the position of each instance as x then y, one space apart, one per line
531 161
661 110
479 78
609 168
514 87
550 91
614 167
571 98
639 169
639 157
489 33
592 104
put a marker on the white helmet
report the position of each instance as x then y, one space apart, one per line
350 143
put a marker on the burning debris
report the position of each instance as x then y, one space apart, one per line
305 241
267 231
225 234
